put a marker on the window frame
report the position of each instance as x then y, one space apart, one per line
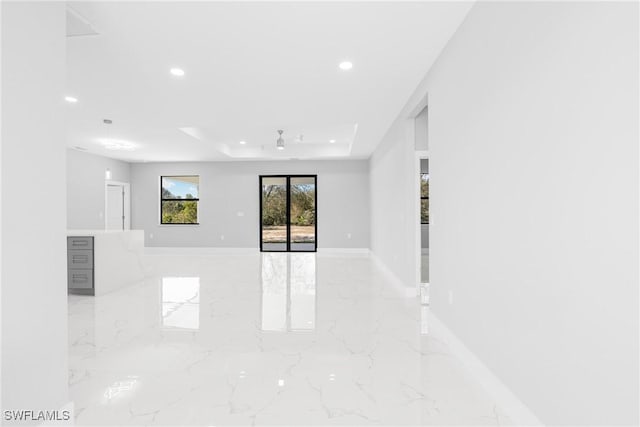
163 199
288 205
423 198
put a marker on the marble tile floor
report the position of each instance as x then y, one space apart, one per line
265 339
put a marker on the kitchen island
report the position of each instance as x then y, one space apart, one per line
100 261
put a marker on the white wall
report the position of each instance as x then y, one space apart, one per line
85 187
34 290
533 141
227 188
394 184
421 124
1 138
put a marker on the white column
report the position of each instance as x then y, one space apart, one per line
33 214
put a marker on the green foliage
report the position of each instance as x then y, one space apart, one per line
274 201
274 205
424 185
179 212
303 205
424 195
166 194
424 211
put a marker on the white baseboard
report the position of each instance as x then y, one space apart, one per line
343 251
398 284
160 250
504 398
157 250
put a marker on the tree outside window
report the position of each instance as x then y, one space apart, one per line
424 198
179 199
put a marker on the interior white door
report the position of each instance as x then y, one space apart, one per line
115 207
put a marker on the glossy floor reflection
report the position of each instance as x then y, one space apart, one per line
288 292
270 338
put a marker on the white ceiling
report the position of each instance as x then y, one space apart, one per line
250 69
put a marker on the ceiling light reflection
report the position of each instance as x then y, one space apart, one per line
120 387
118 144
178 72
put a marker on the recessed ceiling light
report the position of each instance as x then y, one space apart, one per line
280 147
242 142
71 99
178 72
346 65
332 141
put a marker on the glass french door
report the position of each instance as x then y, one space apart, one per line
288 213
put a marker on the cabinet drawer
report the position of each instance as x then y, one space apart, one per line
79 258
76 242
80 279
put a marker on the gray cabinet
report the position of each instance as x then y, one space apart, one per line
80 265
80 259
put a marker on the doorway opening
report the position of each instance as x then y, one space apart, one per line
421 198
424 220
288 213
117 206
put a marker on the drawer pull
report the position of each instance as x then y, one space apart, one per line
80 259
79 243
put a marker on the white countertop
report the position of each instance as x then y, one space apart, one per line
96 232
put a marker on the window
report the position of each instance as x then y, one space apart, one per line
288 213
179 199
424 198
